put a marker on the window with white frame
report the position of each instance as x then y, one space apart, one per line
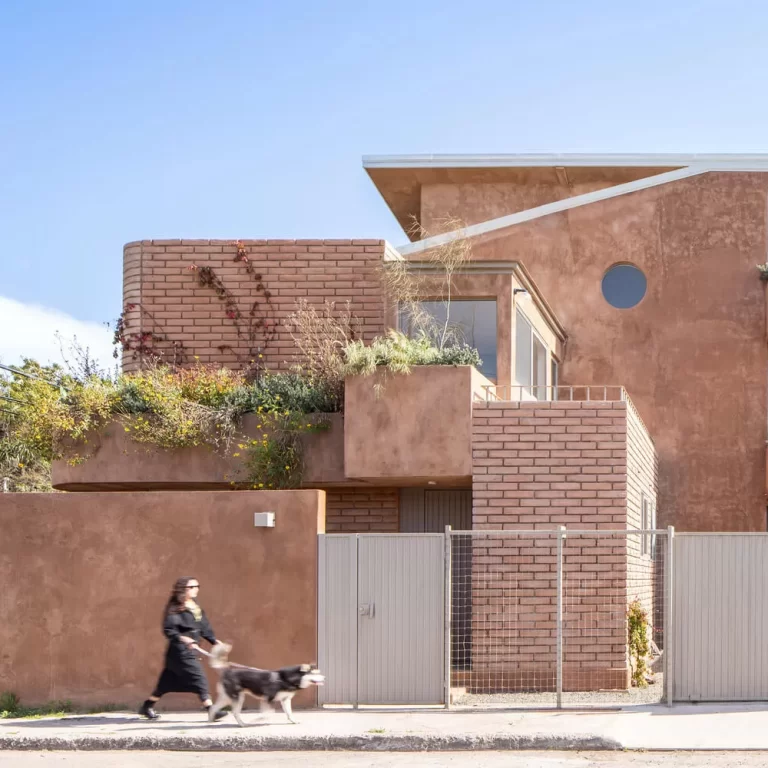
554 378
464 321
531 360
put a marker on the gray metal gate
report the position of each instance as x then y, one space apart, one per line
720 627
381 609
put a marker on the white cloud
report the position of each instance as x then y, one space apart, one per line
28 330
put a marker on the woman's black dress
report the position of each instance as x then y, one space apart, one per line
183 673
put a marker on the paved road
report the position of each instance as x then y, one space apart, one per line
387 760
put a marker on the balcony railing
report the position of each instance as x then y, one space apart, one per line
563 392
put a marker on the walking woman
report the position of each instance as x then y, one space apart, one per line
184 624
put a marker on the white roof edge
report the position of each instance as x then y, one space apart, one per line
549 208
724 161
391 253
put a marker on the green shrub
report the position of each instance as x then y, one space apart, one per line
275 460
639 647
280 392
398 354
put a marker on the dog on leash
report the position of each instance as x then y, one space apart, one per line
237 682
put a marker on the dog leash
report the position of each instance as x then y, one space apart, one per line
229 663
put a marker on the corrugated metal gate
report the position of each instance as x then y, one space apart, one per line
381 609
423 510
720 625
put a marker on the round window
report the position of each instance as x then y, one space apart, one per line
624 286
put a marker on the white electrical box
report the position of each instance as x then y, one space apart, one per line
263 519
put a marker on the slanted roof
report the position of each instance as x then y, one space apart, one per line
399 178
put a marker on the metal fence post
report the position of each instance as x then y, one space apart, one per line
447 620
669 615
559 617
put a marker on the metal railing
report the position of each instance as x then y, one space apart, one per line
546 392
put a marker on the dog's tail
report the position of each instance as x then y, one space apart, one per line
218 658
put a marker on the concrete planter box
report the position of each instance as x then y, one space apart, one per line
116 462
416 429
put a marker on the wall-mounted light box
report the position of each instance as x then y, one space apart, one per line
263 519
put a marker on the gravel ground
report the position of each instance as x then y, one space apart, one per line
631 698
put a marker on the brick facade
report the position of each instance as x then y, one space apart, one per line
540 465
537 466
642 467
362 510
167 300
646 555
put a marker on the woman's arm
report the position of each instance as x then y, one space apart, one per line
206 630
172 630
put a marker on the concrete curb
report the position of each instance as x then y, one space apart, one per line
372 743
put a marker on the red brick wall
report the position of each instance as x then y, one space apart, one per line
540 465
537 466
642 467
168 301
362 510
645 569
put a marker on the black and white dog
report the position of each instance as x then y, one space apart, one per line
267 686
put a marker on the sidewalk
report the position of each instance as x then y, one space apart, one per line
684 727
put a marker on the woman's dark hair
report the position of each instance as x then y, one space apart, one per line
177 599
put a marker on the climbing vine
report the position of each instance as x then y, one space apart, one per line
154 345
255 326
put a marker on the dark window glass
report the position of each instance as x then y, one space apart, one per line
470 322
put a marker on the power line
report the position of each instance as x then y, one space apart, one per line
14 400
16 371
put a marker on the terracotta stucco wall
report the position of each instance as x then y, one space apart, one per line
167 299
415 428
475 197
85 578
693 353
115 462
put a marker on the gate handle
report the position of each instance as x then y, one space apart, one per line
365 609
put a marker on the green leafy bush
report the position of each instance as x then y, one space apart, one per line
279 392
398 354
639 647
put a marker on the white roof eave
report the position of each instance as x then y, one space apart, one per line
714 161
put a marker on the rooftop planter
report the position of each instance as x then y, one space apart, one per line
408 421
116 462
408 429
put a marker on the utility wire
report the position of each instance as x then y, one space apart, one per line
14 400
11 369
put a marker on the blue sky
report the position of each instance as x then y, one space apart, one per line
141 119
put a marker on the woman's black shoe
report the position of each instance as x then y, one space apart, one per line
146 710
219 715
